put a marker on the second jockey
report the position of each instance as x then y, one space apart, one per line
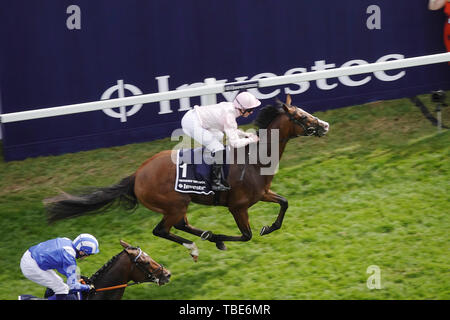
39 262
208 124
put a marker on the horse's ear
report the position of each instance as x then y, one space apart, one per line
288 100
288 108
124 244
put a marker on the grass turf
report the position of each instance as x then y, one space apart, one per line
374 191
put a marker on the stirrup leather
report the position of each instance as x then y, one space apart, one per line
218 183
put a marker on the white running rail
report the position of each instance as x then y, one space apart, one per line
210 88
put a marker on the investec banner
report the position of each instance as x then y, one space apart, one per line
57 52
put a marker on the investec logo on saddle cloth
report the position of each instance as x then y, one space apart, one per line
194 172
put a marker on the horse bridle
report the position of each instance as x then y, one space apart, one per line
151 276
308 130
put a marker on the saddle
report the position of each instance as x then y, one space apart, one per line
70 296
194 169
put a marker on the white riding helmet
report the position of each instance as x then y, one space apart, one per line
87 243
245 100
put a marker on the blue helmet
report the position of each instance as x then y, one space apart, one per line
87 243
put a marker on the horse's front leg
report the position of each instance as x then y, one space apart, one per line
271 196
241 217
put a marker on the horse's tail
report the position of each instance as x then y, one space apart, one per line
93 200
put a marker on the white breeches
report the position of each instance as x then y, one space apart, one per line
46 278
211 139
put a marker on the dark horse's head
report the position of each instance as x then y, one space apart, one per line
144 268
131 264
297 121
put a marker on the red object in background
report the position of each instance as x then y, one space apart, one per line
447 27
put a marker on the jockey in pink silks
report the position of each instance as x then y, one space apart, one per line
207 125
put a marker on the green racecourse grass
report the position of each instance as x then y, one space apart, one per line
375 191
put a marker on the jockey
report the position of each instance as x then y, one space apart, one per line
207 125
38 262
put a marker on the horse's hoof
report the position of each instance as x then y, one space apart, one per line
264 230
221 246
193 250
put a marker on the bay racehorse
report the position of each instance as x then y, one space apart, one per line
152 185
110 281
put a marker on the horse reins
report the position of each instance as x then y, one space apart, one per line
117 287
151 275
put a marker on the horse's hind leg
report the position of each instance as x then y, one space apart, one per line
184 225
163 230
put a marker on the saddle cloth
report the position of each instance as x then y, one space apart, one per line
194 171
29 297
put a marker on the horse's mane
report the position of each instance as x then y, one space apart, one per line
267 114
106 266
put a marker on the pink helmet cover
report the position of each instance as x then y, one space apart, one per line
245 100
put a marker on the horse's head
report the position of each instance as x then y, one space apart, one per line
303 123
146 269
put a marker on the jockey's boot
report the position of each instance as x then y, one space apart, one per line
218 183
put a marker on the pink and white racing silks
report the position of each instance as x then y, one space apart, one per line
206 125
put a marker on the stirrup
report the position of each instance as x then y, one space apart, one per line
219 186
